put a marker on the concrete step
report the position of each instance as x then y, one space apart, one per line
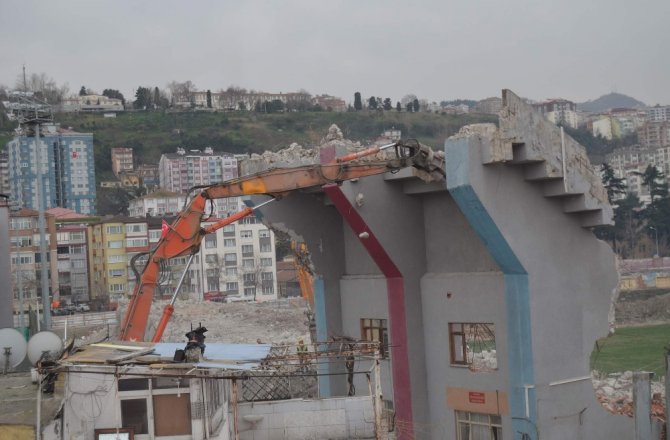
541 172
556 188
521 155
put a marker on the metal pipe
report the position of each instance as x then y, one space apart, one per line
181 280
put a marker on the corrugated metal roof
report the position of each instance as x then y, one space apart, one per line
217 355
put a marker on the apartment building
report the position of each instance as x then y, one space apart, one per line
185 169
332 103
113 242
149 176
559 111
24 237
122 160
180 171
67 168
654 134
658 114
165 203
92 103
239 261
4 174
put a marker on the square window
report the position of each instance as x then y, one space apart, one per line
375 330
473 344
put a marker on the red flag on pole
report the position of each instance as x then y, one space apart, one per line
165 228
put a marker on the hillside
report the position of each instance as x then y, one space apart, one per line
151 134
609 101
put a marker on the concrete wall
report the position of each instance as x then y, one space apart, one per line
571 279
337 418
92 402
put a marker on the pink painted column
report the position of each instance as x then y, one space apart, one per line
395 286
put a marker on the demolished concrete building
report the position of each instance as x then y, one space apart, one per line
500 256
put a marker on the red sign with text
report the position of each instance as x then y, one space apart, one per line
475 397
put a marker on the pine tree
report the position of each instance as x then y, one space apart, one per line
358 104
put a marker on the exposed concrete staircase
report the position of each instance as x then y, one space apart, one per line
549 158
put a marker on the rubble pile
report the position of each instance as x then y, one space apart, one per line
297 155
282 322
615 394
484 360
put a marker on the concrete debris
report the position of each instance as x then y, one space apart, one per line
485 360
615 394
280 322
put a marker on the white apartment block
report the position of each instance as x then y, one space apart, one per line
92 103
237 261
161 204
658 114
560 111
628 162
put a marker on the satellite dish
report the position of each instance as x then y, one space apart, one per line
12 348
44 342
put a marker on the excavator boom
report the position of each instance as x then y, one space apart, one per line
185 234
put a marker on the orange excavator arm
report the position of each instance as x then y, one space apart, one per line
185 234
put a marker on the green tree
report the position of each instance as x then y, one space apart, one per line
387 104
628 225
614 185
242 106
358 104
654 180
82 91
398 107
409 107
209 99
142 98
372 103
113 93
416 105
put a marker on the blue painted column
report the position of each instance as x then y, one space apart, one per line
323 368
522 401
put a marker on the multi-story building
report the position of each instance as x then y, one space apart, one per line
560 112
92 103
238 261
72 251
112 244
331 103
24 236
122 160
658 114
149 176
67 168
157 204
654 134
181 171
4 174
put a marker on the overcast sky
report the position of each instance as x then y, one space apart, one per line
442 49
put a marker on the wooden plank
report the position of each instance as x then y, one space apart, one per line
128 356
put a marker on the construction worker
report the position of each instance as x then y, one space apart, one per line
302 354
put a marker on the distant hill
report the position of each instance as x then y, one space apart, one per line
609 101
